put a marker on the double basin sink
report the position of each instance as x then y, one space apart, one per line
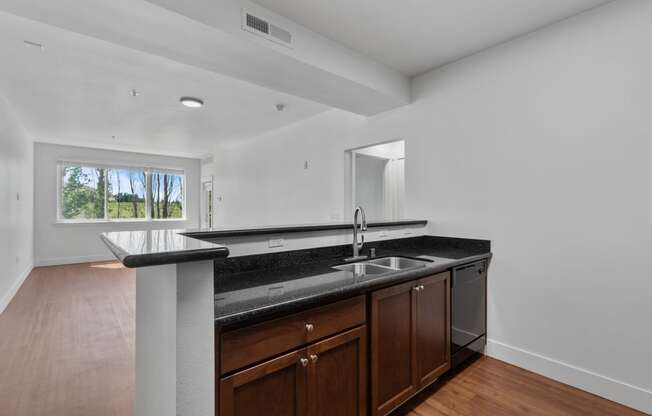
381 266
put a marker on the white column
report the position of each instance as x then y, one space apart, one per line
195 339
175 358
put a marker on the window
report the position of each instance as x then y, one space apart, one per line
166 195
126 194
98 193
83 193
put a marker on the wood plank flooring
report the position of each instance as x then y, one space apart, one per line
67 343
489 387
67 349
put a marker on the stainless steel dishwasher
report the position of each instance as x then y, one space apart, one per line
468 311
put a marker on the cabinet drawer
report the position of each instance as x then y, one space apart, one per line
255 343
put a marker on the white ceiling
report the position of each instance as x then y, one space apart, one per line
414 36
77 91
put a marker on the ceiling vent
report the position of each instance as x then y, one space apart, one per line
269 31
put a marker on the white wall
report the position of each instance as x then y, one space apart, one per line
263 180
16 203
62 243
543 146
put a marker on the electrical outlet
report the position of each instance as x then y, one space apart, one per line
276 243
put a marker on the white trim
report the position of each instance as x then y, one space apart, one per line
59 261
6 299
607 387
134 167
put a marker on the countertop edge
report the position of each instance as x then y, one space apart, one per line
295 229
160 259
295 305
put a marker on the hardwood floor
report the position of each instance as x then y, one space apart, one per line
488 387
67 349
67 343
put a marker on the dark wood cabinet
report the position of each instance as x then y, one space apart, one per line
410 344
325 378
433 327
315 362
337 377
276 388
393 347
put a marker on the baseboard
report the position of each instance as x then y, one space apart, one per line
609 388
6 299
59 261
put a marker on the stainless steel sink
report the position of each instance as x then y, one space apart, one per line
398 263
381 266
363 269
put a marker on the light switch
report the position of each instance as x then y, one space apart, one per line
17 196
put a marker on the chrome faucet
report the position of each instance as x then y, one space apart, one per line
363 227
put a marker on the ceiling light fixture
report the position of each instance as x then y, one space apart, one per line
191 102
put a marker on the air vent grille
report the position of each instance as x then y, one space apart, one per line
258 24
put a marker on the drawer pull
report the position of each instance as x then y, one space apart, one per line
310 327
304 362
313 358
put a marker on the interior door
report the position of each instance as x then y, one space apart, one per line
337 375
274 388
433 327
393 347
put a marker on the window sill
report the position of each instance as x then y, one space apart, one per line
96 222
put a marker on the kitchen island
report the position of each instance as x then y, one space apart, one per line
208 327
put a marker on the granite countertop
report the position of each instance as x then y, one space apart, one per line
247 296
291 228
158 247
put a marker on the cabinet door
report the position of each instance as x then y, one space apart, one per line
337 375
274 388
433 327
393 349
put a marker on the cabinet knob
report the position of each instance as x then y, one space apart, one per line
313 358
310 327
421 287
416 288
304 362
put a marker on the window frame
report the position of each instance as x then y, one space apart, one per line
148 170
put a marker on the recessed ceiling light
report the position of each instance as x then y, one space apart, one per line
191 102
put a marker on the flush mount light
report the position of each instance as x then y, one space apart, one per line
191 102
